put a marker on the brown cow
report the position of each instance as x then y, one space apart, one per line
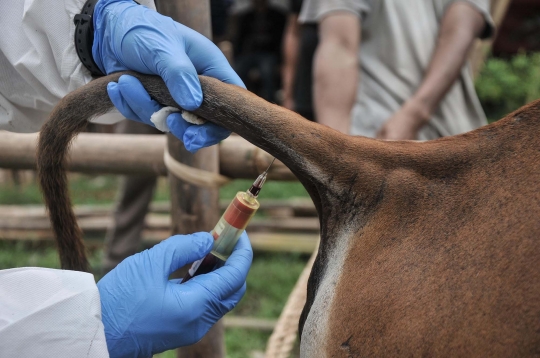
426 248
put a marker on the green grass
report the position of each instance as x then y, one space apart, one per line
37 254
270 279
86 189
22 254
241 343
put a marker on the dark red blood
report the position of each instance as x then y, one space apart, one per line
209 264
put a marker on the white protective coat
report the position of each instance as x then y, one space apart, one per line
50 313
38 62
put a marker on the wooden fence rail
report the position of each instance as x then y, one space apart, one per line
137 154
278 231
296 207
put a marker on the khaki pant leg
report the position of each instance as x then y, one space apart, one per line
123 239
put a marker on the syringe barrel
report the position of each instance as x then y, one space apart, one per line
233 222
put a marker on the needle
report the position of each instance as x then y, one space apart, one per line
257 185
272 162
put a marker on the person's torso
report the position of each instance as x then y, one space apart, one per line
398 40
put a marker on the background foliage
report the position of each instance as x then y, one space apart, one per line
505 85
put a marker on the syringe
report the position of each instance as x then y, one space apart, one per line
229 228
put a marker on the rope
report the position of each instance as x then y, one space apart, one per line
192 175
281 342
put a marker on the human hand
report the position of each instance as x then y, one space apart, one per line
132 100
146 313
128 36
405 123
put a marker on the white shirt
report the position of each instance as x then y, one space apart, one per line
38 62
398 40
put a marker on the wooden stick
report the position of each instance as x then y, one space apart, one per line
260 241
482 48
99 224
296 207
260 324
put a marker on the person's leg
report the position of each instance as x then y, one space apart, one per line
267 63
243 64
136 191
306 113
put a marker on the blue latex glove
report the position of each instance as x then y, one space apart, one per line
131 36
132 100
146 313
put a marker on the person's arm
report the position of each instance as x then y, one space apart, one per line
336 70
290 59
461 24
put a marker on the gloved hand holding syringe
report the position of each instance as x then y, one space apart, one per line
227 231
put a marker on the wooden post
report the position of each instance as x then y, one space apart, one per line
193 208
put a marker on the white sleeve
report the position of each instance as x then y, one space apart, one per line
314 10
50 313
38 62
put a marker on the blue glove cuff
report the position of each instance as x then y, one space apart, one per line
102 47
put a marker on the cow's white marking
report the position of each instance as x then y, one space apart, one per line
315 330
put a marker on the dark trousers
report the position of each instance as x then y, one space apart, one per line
123 239
266 64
